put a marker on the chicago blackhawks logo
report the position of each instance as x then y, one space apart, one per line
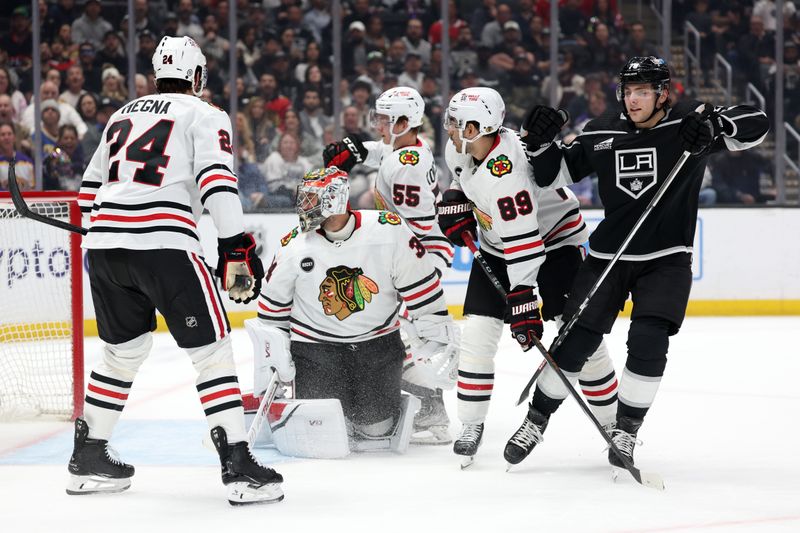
499 166
484 220
387 217
345 291
409 157
380 203
289 236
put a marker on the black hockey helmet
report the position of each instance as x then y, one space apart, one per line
644 70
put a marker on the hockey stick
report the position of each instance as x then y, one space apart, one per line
650 480
624 246
263 409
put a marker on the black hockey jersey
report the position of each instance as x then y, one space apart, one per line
631 165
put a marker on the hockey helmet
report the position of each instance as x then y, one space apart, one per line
179 58
482 105
400 102
324 192
651 69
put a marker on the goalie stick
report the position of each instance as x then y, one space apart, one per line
624 246
650 480
22 208
263 409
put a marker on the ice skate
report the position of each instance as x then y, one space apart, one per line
432 425
468 442
529 434
94 466
624 437
248 481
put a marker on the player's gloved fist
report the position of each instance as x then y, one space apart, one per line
345 154
541 126
239 267
700 128
456 217
522 310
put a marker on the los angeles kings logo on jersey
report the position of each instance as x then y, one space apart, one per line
637 170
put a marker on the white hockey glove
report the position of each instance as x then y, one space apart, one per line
434 345
270 351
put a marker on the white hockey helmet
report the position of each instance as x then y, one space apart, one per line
324 192
179 58
395 104
482 105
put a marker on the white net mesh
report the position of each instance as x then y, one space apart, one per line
36 322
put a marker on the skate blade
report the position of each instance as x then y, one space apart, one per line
615 473
467 462
243 493
80 485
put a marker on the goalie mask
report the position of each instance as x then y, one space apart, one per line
481 105
324 192
179 58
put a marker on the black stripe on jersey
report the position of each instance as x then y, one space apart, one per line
566 236
596 382
284 318
432 217
569 214
102 404
91 185
222 407
217 166
474 398
429 238
86 209
219 188
445 259
217 381
277 303
524 258
148 229
111 381
417 283
600 403
439 294
345 337
534 233
474 375
142 207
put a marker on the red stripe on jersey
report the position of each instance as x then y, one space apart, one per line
220 394
474 386
601 392
86 196
513 249
106 392
422 292
144 218
565 227
420 226
211 294
215 177
267 309
445 249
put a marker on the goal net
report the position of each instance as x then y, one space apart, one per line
41 310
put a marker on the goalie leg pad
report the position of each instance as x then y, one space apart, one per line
398 440
476 367
309 428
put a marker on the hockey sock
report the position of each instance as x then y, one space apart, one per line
476 367
598 383
648 341
110 383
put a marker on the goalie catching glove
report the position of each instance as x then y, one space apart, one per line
433 348
345 154
239 267
522 310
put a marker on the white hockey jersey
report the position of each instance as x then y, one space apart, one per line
161 160
349 291
407 183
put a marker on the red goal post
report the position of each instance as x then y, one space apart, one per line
41 309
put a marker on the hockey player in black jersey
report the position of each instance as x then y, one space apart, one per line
632 152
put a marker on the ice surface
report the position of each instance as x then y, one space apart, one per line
723 433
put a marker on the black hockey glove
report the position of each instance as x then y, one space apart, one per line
522 310
239 267
541 125
699 129
345 154
456 217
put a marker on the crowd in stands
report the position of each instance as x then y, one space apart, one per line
284 87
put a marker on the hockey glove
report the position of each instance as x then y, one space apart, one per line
239 267
700 128
541 125
456 217
522 310
345 154
433 346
